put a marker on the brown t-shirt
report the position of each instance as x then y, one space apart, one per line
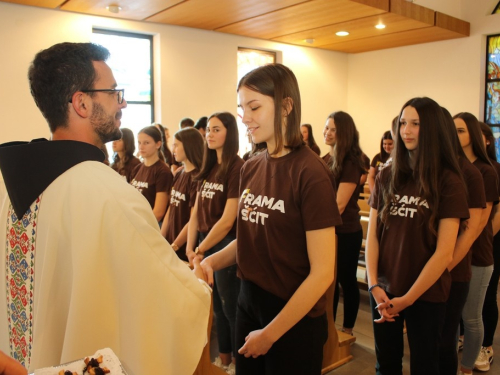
482 248
350 173
127 171
214 194
405 241
281 199
475 199
377 163
153 179
182 199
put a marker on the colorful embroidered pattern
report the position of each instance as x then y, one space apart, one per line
20 263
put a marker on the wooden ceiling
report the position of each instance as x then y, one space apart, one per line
311 23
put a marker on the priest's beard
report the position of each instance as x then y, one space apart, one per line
105 125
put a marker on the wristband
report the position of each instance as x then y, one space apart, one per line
374 286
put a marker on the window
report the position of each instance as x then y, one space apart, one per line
497 9
492 102
248 60
131 60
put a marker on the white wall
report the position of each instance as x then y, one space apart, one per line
195 69
450 72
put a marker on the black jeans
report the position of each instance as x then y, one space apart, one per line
298 352
423 325
448 356
349 246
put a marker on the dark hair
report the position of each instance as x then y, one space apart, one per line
475 135
169 159
452 131
193 144
278 82
229 150
310 138
186 122
128 150
488 134
394 128
58 72
384 155
435 153
154 133
201 123
346 145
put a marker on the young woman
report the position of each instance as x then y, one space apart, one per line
471 140
416 207
379 160
153 177
490 307
307 135
285 246
165 136
213 222
460 266
124 161
188 150
345 159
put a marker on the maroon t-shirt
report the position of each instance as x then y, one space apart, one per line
182 199
153 179
281 199
350 173
405 241
482 248
127 171
377 163
214 193
475 199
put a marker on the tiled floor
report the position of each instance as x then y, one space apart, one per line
363 349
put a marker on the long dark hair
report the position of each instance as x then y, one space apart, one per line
169 159
310 137
229 150
278 82
128 150
346 144
435 153
488 134
192 142
384 155
475 135
154 133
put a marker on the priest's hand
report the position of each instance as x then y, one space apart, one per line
9 366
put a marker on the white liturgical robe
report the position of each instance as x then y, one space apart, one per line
97 273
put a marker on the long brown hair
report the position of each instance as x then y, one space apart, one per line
435 153
278 82
229 150
346 145
128 148
192 142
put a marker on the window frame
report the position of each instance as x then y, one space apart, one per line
151 102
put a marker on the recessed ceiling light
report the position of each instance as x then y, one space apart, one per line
114 8
380 26
309 40
342 33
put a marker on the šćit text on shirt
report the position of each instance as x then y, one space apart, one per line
252 204
407 205
210 188
176 197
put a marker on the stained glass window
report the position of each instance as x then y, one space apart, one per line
492 110
248 60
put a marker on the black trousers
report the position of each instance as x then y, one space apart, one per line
298 352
